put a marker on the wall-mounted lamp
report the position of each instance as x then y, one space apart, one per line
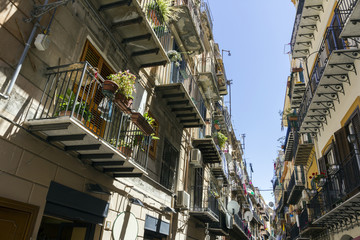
222 53
96 188
136 201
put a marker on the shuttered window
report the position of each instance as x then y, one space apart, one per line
342 145
91 55
169 164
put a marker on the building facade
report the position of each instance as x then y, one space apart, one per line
154 157
321 113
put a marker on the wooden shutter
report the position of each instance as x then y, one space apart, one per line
91 55
322 165
356 123
342 144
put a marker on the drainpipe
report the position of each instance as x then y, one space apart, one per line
22 58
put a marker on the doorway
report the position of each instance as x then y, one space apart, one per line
52 228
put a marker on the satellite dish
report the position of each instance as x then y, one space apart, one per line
132 226
271 204
248 216
233 207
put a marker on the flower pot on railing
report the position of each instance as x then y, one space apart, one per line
123 102
125 150
109 88
294 70
322 182
140 121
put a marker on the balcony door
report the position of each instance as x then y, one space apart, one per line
198 188
91 55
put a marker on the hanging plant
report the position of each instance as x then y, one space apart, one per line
175 57
126 82
221 139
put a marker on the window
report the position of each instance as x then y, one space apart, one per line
153 143
169 164
91 55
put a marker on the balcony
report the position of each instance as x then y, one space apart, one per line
307 17
334 61
350 15
256 218
209 150
207 78
241 228
289 143
297 92
294 232
221 228
205 206
206 17
187 26
338 200
220 170
222 116
307 229
182 95
304 152
296 185
138 27
74 115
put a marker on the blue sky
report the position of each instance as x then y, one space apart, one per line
256 32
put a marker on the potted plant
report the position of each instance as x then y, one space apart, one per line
319 179
126 86
143 122
123 146
161 11
221 139
175 57
68 103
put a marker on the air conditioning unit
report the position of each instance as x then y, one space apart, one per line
195 158
208 130
183 200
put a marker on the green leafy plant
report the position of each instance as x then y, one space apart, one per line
221 139
175 57
126 82
164 10
68 102
317 177
151 121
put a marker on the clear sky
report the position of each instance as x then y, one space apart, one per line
256 32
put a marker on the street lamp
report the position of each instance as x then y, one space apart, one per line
222 53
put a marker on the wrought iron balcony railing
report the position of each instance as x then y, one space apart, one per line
294 231
205 8
205 204
75 91
338 187
345 8
242 226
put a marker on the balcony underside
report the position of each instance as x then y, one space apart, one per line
295 194
239 232
204 215
351 27
218 231
303 153
129 24
222 83
289 146
307 27
69 133
181 104
218 172
208 150
219 228
312 230
208 83
297 94
218 115
335 74
343 215
187 31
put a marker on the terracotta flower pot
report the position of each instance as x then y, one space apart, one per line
123 103
141 123
109 88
